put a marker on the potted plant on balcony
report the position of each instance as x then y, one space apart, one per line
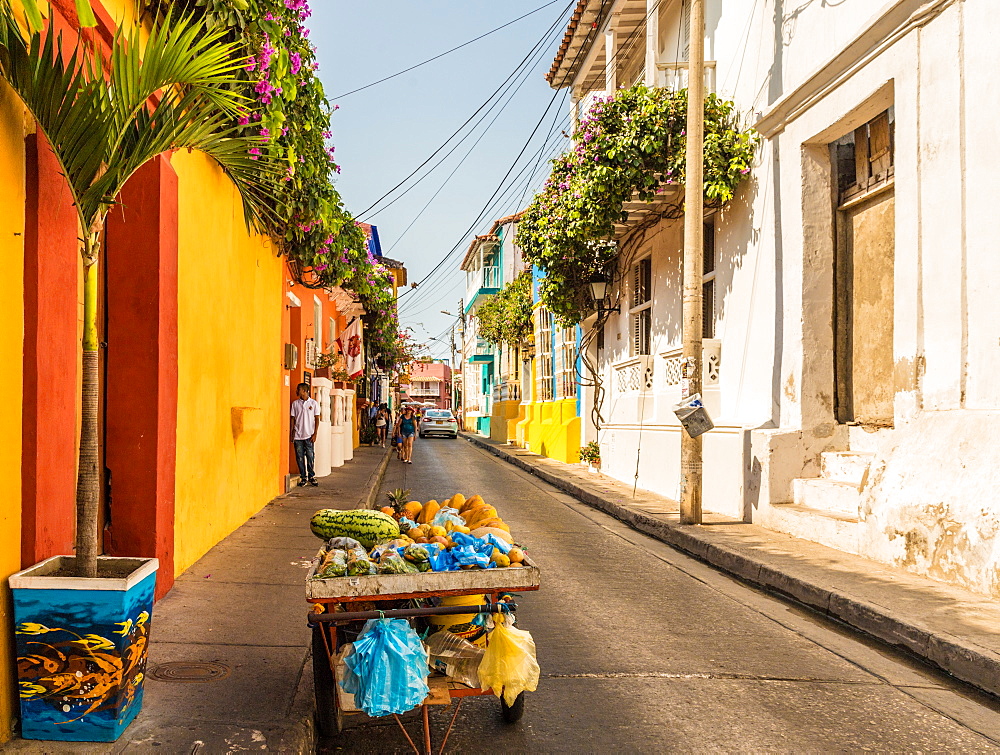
590 455
82 622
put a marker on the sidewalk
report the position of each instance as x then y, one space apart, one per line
238 617
951 628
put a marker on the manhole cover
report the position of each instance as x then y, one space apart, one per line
189 671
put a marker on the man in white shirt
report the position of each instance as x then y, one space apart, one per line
304 424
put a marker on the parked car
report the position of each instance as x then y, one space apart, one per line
439 422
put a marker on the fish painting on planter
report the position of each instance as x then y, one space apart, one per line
81 660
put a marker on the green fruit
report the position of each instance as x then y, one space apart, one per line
367 527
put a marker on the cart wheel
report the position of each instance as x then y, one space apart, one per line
512 714
329 719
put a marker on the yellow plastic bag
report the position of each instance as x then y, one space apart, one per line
509 664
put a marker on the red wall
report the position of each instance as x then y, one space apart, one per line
51 359
141 387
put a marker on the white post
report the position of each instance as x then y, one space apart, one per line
652 40
610 57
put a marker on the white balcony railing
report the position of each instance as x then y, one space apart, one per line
487 277
674 76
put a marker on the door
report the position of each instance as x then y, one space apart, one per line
864 286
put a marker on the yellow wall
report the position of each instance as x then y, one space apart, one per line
503 420
551 428
229 356
11 355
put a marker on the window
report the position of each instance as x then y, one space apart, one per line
708 284
642 306
864 158
543 350
331 332
566 354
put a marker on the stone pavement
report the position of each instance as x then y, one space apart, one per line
241 609
948 627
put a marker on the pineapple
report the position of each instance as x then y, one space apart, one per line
397 499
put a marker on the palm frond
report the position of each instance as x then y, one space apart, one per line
102 125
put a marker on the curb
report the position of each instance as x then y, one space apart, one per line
375 482
970 663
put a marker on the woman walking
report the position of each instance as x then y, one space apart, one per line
407 427
382 423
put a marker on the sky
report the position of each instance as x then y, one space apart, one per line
384 132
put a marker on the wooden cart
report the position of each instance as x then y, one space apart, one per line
333 600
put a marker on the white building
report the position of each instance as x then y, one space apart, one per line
850 285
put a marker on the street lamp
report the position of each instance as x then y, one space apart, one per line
599 290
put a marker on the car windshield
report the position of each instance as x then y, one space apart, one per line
438 414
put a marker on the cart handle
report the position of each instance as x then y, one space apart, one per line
405 613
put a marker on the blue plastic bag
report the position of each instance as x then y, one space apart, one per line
387 669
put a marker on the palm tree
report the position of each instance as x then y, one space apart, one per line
106 117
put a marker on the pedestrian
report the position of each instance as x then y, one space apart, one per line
382 423
407 427
304 425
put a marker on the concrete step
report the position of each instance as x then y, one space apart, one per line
822 494
846 466
829 528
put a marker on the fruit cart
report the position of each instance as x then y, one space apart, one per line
334 612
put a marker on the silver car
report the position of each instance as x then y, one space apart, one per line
439 422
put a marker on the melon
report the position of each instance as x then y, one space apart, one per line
367 527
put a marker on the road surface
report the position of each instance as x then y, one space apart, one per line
645 649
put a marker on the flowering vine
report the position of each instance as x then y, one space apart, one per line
629 146
288 110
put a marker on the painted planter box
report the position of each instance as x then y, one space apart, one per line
81 647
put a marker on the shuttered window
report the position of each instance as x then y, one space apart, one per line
543 354
642 303
865 158
566 379
708 284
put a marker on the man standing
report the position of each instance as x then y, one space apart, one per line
305 423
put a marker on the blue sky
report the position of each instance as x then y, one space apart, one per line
384 132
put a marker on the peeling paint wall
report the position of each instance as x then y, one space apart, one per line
930 504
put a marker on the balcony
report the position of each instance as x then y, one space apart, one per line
483 352
674 76
509 390
482 282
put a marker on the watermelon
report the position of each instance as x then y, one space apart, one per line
367 527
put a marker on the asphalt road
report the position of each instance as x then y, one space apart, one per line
645 649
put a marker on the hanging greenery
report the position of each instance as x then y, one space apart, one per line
629 146
289 112
505 318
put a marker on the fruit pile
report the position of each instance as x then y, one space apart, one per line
409 537
433 522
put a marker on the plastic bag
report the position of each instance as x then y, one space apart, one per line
334 564
447 515
387 668
509 665
453 656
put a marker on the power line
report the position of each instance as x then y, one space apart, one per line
486 209
446 52
511 88
501 186
514 74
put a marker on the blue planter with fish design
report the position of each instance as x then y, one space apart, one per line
81 647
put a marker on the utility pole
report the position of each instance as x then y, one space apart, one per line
694 239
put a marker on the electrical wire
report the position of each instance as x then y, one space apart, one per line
541 42
511 88
446 52
500 187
